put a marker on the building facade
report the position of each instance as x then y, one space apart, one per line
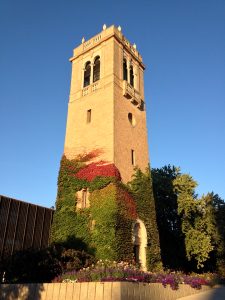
106 110
23 226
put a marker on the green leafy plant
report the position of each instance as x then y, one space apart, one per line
141 188
106 226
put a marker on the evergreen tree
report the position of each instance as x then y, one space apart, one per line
169 222
217 257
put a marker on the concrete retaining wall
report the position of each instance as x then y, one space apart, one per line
94 291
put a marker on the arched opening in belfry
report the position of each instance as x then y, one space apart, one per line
140 244
87 74
131 75
96 69
124 69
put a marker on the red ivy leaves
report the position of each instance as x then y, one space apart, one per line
101 168
70 166
129 204
87 156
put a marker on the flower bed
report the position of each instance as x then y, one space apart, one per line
105 271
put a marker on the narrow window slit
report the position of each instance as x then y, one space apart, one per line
89 116
133 157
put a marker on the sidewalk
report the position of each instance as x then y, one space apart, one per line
214 294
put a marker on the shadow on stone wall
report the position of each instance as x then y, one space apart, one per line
21 291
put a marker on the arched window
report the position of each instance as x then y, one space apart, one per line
136 231
131 76
139 236
96 69
131 119
84 198
87 74
124 69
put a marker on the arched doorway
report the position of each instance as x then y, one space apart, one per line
140 243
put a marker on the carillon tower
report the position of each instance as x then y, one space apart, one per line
106 110
106 138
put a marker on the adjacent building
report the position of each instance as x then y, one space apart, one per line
23 226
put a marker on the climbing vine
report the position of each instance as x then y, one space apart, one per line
104 228
141 187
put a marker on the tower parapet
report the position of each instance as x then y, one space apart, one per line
106 34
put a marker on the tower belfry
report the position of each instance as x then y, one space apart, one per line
106 110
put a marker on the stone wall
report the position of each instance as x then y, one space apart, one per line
94 291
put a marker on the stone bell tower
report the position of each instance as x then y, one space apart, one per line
106 108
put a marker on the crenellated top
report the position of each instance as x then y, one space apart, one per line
106 34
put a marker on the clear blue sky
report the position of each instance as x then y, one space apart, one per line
183 46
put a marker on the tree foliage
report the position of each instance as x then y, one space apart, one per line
198 224
190 226
169 222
